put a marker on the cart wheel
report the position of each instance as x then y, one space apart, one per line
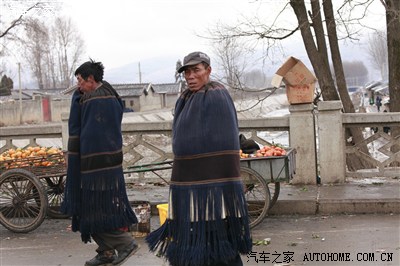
23 201
257 195
54 187
274 189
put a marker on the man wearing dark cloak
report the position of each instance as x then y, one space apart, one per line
95 193
207 221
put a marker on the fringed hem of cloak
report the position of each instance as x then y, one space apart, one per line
71 204
103 204
208 223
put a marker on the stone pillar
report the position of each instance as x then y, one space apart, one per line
64 130
302 138
331 152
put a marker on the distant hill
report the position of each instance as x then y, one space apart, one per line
162 69
155 70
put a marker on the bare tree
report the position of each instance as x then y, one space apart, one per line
237 60
14 17
230 58
356 73
13 26
53 51
6 85
69 47
255 79
15 22
36 48
318 28
393 43
8 28
378 52
319 59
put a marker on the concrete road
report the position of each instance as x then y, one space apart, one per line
328 240
282 240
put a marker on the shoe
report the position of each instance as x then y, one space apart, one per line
104 258
124 254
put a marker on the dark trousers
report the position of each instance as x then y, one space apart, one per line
115 240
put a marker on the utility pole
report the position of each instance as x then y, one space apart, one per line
20 93
140 74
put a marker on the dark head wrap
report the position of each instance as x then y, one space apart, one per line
207 216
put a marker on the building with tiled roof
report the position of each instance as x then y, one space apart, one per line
148 96
48 105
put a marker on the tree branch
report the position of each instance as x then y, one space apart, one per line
17 21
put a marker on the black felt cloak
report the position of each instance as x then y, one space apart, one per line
95 194
207 217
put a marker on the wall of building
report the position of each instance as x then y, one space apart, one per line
10 114
58 107
151 101
132 102
32 110
171 100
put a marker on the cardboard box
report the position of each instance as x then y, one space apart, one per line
299 81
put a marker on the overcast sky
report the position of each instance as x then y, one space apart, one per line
120 32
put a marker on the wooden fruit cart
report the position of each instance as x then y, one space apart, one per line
30 189
261 179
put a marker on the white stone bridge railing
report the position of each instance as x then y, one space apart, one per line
317 134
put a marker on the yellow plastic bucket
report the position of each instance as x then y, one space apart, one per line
162 212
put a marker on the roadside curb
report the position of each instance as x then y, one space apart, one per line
326 207
338 199
348 198
359 206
